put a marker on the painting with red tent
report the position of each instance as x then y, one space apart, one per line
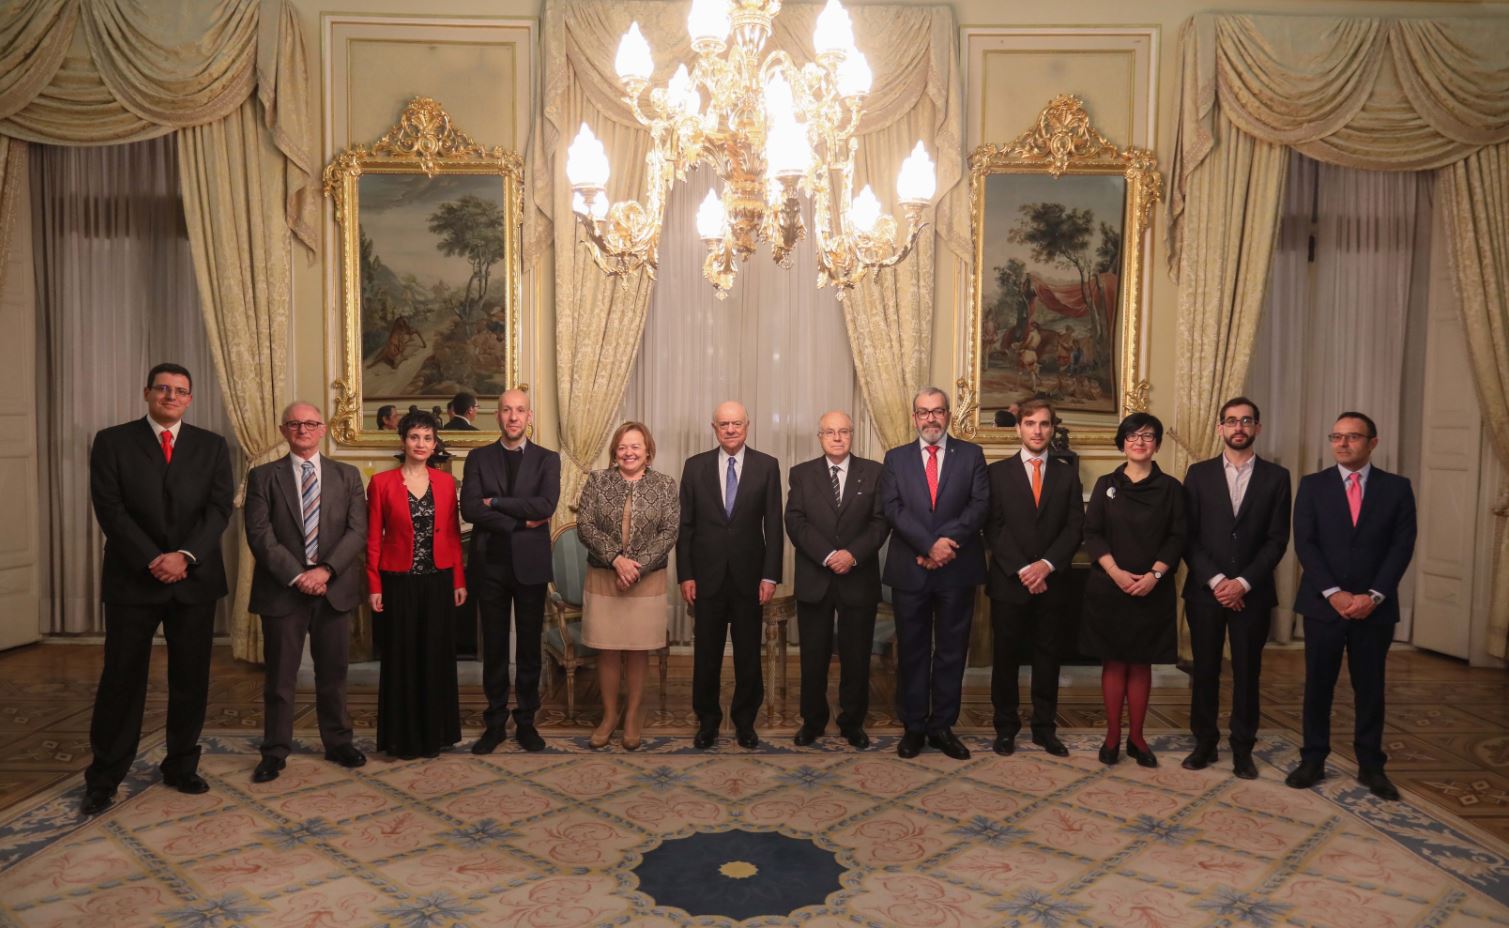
1050 275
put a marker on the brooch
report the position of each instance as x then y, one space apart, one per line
1110 492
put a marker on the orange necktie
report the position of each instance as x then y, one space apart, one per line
1037 481
167 446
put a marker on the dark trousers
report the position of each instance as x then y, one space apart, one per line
120 700
1365 645
932 640
735 613
329 634
1209 626
855 635
1025 633
499 594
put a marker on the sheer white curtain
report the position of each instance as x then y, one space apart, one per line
1345 292
115 295
777 344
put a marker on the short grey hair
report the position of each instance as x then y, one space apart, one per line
930 391
289 408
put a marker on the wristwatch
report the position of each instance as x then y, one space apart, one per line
1157 575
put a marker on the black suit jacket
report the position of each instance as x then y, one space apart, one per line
1248 544
963 503
535 496
746 548
148 507
818 526
1019 532
1372 555
460 424
274 516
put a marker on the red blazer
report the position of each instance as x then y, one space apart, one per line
390 531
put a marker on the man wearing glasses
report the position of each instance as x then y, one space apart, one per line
1354 532
162 492
836 525
306 525
1237 506
936 495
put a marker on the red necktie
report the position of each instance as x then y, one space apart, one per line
1037 482
167 446
932 473
1354 495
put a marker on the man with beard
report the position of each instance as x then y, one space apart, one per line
936 495
1237 507
509 491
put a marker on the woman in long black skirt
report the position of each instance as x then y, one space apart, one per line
415 579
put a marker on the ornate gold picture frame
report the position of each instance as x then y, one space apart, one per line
430 272
1059 218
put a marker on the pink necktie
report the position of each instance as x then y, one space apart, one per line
932 473
1354 495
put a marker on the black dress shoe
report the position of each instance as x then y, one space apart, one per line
268 769
346 755
1201 757
1305 775
748 739
1243 767
191 783
1051 744
805 736
529 738
910 744
96 800
489 741
1143 756
706 738
1004 745
949 743
1110 753
1378 784
857 739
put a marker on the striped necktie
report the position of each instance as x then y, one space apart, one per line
310 495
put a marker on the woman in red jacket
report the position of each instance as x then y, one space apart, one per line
415 579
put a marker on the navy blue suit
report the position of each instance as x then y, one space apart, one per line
1370 556
933 607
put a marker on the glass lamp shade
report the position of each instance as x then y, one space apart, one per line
787 150
865 211
711 217
633 61
780 105
918 179
854 76
709 21
834 32
682 94
599 205
587 160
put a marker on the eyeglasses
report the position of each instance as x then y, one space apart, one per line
166 390
727 424
1350 438
1141 438
835 433
307 425
937 412
1232 422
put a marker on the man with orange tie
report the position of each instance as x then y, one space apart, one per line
1354 533
1036 522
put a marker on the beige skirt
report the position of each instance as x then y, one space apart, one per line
623 620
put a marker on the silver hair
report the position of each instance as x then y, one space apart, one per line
930 391
289 408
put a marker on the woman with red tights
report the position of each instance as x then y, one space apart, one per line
1134 534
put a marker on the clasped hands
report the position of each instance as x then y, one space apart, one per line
942 551
1229 593
1355 606
169 567
627 570
1035 577
1133 584
313 581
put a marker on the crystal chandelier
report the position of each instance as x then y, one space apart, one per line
771 131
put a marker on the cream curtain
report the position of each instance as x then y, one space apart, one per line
916 96
1475 191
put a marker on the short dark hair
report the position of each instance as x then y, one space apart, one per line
1029 406
418 419
384 412
1372 426
463 403
1257 414
1136 422
168 367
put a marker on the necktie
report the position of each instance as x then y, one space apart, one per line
1037 482
730 489
932 474
310 494
167 446
838 493
1354 495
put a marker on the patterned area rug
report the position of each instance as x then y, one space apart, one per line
672 836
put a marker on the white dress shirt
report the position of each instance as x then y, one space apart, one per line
1238 478
1027 459
942 453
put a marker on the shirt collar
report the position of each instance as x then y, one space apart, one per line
841 465
1029 456
157 430
942 443
1226 463
723 456
523 443
297 461
1365 471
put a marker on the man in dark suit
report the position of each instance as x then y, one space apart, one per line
162 491
509 490
936 495
306 525
836 525
1237 507
1036 522
728 558
463 408
1354 532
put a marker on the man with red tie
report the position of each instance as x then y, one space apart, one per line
1354 533
162 491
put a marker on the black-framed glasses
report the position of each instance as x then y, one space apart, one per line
1337 438
1141 438
937 412
307 425
166 390
1232 422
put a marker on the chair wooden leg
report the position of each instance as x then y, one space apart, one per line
571 692
665 660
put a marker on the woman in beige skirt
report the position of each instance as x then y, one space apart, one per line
627 518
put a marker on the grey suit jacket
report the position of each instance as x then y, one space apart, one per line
275 533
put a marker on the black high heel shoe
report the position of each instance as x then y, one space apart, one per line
1111 753
1143 756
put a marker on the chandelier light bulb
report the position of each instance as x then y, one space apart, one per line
587 161
709 21
834 32
633 61
682 94
865 212
787 150
711 217
918 179
854 75
780 105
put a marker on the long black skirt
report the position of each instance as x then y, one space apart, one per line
418 709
